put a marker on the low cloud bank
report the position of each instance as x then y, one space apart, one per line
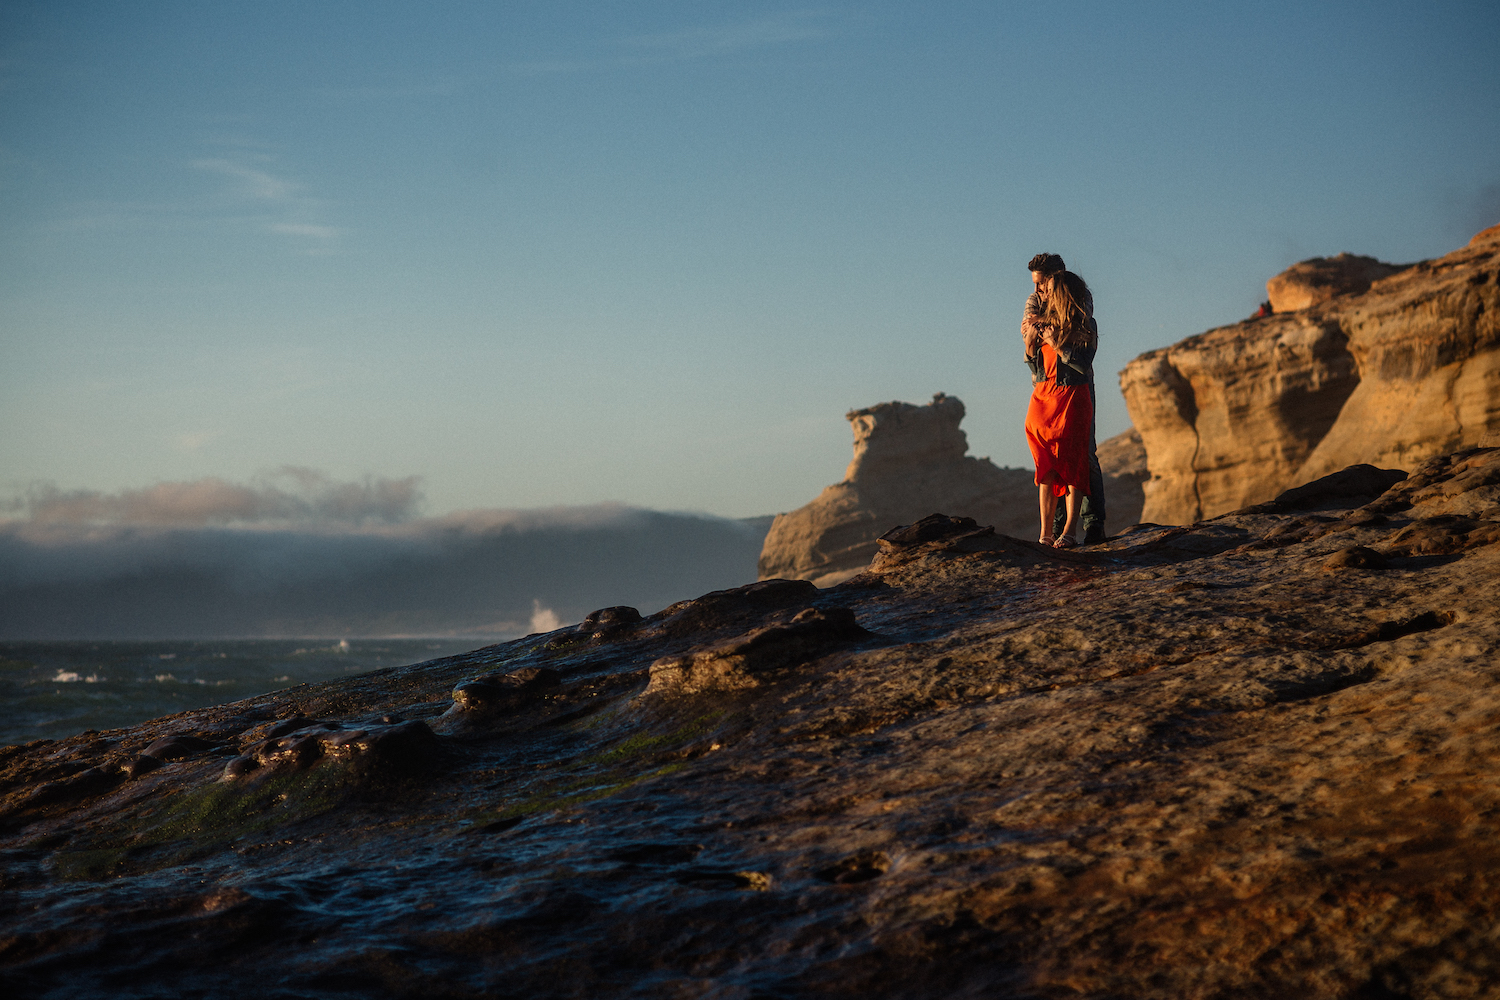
290 494
310 557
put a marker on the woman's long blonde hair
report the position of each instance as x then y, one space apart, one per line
1065 294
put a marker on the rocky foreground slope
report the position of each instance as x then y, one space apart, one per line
1362 362
1252 757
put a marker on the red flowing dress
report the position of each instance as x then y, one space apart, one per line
1058 425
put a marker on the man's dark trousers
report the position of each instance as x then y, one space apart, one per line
1091 512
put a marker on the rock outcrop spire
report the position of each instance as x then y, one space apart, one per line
910 461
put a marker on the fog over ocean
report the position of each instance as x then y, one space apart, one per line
485 574
295 554
116 608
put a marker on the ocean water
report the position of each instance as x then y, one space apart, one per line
49 690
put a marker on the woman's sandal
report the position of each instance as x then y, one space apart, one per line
1065 542
1047 540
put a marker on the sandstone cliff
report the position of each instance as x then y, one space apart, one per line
1388 370
1250 758
910 461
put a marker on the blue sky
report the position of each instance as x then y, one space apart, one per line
551 253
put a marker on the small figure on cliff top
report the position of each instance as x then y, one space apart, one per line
1264 311
1061 337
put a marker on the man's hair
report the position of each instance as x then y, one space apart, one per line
1046 264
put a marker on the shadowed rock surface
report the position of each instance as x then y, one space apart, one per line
908 462
1386 370
1253 757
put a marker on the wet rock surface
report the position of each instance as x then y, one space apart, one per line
1253 756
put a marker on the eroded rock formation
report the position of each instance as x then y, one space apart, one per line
1406 369
1247 758
910 461
1313 282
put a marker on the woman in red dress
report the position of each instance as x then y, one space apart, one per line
1061 338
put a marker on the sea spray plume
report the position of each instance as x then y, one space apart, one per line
544 619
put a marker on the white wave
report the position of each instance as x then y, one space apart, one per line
74 677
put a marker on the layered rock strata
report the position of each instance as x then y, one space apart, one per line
1250 757
1407 368
910 461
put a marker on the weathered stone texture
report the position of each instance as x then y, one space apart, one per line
1390 376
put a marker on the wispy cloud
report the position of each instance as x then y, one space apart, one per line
252 195
697 43
447 87
690 43
254 183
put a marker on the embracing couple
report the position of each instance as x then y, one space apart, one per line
1061 338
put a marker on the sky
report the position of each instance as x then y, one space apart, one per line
534 255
